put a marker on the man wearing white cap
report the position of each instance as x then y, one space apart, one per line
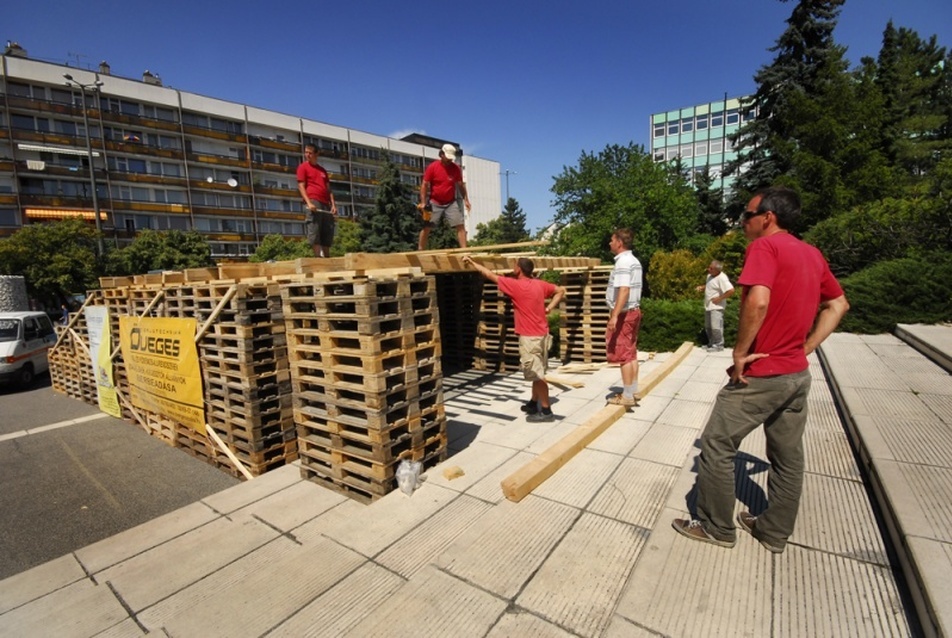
442 188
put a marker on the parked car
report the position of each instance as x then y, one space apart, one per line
25 340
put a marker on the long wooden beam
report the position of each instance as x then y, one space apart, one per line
517 485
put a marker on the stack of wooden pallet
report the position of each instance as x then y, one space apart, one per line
71 370
243 352
497 344
585 315
366 377
458 296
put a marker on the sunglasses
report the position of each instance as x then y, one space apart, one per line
748 215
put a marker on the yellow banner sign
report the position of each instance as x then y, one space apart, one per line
100 349
162 361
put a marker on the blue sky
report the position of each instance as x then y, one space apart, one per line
529 84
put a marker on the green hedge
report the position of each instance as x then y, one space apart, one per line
911 290
665 325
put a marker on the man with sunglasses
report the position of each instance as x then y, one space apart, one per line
787 290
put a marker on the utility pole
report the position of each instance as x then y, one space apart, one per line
94 87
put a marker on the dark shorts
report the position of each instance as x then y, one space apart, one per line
621 346
320 226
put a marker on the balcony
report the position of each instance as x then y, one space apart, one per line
146 178
198 131
139 121
46 137
217 160
264 142
138 148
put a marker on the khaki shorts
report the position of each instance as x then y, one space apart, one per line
534 356
453 212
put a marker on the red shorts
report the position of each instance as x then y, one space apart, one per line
621 346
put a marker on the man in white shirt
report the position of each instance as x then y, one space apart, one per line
716 291
623 297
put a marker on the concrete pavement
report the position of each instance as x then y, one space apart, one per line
590 552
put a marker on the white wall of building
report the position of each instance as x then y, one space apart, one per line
485 191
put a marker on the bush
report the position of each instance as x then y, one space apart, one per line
910 290
665 324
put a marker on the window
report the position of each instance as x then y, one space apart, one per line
717 146
701 122
195 119
136 165
673 128
700 148
226 126
8 217
687 150
733 117
19 90
61 96
178 223
659 130
687 125
659 156
65 128
717 120
750 114
671 153
158 113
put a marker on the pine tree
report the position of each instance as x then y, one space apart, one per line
767 143
712 216
395 222
915 79
508 228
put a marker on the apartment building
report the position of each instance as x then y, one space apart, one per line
164 158
699 135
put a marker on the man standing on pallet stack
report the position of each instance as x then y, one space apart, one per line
624 300
443 192
787 289
529 296
321 211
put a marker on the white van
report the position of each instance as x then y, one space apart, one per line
25 340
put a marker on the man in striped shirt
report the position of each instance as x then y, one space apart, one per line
624 299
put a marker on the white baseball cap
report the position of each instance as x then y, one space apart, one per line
449 150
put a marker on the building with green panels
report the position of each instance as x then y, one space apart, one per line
700 136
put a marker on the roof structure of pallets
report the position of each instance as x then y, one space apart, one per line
497 257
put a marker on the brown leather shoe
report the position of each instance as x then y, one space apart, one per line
747 521
694 530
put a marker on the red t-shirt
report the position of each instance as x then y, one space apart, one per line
317 184
443 179
528 297
799 280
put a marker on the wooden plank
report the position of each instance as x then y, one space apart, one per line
517 485
565 383
521 482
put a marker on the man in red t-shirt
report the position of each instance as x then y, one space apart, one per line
790 303
529 296
321 211
441 190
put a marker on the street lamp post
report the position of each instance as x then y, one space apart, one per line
94 87
507 171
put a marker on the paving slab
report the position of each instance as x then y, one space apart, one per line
589 553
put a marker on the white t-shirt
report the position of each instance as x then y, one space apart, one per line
625 274
715 287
